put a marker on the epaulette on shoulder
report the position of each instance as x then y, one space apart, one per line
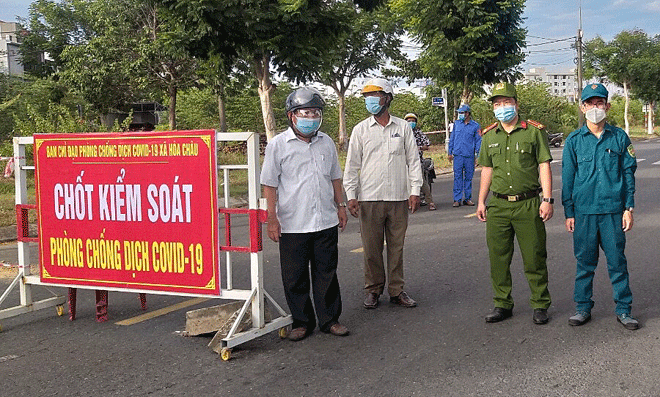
490 127
536 124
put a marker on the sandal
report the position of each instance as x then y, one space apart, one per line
432 207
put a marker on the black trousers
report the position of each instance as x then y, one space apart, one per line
300 252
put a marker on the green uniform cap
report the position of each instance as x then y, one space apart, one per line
504 89
594 90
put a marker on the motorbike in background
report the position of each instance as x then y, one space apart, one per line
555 139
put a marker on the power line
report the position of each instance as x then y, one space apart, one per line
545 38
552 41
553 63
551 50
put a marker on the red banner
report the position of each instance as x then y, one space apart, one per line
129 210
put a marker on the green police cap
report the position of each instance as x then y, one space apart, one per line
594 90
504 89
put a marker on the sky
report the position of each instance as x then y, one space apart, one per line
545 20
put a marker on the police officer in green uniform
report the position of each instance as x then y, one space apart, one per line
516 168
598 189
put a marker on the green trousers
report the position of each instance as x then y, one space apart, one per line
503 220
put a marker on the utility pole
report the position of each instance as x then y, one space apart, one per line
446 100
579 69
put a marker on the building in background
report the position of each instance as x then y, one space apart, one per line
560 84
10 41
564 84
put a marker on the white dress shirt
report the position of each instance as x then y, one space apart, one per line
382 163
302 173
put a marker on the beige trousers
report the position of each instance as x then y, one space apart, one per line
386 220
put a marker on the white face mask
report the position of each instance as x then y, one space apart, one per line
595 115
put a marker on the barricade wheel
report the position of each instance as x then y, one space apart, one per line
225 354
60 310
284 332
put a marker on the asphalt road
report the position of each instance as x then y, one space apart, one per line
441 348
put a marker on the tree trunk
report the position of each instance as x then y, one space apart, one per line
266 87
172 91
465 96
625 108
221 108
343 138
651 118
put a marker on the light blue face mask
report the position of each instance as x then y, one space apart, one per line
373 104
412 124
461 116
505 113
307 126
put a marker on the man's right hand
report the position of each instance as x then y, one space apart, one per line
450 157
481 211
570 225
274 229
354 207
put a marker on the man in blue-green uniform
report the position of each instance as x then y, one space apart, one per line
516 168
598 189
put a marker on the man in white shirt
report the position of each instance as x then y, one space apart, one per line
301 177
382 179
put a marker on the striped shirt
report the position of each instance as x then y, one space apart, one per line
382 163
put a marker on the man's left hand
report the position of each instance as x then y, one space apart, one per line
343 218
546 211
413 203
627 220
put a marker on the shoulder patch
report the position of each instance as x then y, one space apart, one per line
631 150
536 124
490 127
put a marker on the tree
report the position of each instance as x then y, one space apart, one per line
137 52
291 35
224 76
366 45
646 77
613 60
537 103
51 27
466 43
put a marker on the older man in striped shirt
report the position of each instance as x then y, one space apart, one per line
382 179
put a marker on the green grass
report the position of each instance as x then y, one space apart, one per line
7 201
238 179
641 132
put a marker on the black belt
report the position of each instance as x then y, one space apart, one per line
518 197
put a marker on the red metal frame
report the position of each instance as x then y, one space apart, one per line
256 219
23 224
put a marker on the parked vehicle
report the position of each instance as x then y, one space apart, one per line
555 139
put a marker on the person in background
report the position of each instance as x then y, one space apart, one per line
515 160
423 143
598 194
464 145
301 177
382 179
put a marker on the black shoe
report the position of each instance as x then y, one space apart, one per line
498 314
540 316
